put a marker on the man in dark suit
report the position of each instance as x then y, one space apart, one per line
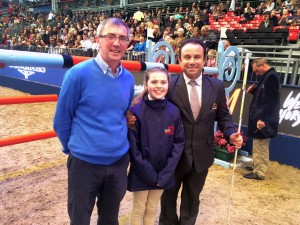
263 115
198 124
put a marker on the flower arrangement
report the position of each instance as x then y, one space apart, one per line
220 142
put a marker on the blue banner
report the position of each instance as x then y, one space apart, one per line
52 76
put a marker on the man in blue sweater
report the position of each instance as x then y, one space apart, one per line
90 122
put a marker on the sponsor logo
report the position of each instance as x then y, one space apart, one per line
169 130
28 70
290 110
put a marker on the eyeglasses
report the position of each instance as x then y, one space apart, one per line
113 37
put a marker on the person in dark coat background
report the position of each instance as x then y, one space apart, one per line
198 123
266 23
263 115
156 144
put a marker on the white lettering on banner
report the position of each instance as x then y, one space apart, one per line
290 110
28 70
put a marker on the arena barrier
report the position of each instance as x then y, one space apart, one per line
35 59
27 137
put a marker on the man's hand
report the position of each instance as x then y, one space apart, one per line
260 124
249 89
236 139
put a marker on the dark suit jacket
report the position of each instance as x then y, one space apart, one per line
265 104
199 134
262 25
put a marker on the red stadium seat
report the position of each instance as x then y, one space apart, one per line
293 33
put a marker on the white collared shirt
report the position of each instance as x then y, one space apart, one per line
198 87
106 69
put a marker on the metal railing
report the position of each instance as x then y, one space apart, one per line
285 60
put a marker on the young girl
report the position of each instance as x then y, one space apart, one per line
156 143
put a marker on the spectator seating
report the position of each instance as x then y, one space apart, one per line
250 34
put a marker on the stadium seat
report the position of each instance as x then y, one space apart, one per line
293 33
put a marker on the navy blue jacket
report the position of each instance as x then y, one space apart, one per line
265 105
156 144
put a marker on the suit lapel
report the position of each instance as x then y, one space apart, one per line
207 92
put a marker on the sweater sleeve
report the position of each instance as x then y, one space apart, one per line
65 109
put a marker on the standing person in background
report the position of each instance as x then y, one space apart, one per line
201 101
263 116
153 162
90 123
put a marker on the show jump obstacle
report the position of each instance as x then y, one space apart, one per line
27 137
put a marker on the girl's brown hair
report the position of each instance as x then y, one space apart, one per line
147 74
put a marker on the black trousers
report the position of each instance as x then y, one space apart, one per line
192 185
87 181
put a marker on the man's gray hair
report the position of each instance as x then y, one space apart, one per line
113 21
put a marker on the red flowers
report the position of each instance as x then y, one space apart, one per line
220 142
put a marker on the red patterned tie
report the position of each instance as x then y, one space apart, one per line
194 99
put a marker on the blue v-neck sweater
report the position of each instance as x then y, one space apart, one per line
90 115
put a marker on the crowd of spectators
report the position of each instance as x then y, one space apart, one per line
78 30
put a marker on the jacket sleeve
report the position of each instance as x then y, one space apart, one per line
269 97
167 173
139 164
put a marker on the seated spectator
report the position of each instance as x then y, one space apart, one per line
248 6
270 5
249 15
223 8
196 32
156 34
296 19
204 16
52 43
94 45
274 18
292 8
267 23
238 11
211 61
280 7
207 35
189 31
85 42
285 20
261 8
198 22
131 43
217 12
60 44
140 46
179 39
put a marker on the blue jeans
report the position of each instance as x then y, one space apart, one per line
87 181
